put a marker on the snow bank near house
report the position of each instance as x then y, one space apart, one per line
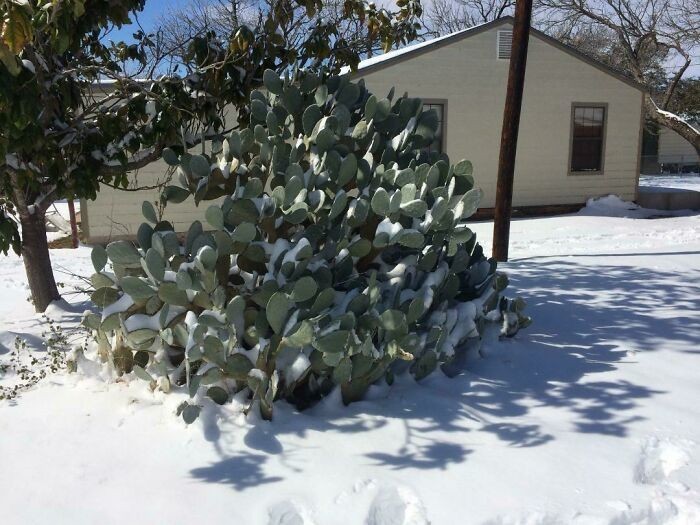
588 417
614 206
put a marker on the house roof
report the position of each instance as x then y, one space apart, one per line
387 59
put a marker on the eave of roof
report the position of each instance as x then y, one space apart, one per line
387 59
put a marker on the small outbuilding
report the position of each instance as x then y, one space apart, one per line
676 154
580 132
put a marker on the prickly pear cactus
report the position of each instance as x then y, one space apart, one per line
337 255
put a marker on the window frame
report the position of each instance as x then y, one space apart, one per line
443 125
604 139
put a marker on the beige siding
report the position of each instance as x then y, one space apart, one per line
117 213
674 148
467 74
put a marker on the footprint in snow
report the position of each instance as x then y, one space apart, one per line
289 513
397 506
660 458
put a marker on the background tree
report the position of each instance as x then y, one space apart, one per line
62 135
447 16
686 99
338 24
652 40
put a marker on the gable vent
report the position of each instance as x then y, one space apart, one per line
504 44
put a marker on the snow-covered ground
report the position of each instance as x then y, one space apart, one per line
590 416
685 181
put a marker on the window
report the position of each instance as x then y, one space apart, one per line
504 44
587 138
438 144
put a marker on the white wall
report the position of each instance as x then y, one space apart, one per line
675 149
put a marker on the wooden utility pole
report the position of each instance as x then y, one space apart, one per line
509 133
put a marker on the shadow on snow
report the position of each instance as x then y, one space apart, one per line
588 320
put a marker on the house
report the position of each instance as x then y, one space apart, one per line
580 131
676 154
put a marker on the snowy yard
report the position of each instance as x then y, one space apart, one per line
589 416
681 182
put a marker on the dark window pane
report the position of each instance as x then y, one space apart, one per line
587 141
437 145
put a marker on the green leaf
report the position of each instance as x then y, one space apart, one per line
393 320
190 413
243 210
207 256
200 166
415 208
170 157
277 310
218 395
291 99
325 139
104 296
360 131
92 321
349 94
155 264
253 188
380 202
235 309
297 213
99 258
415 309
311 116
123 252
343 372
149 212
411 239
144 236
215 216
332 343
471 201
258 110
463 168
323 300
348 170
100 280
136 288
300 337
175 194
272 82
425 365
304 289
360 248
169 293
237 367
339 204
370 107
244 232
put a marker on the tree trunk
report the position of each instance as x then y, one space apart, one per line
37 261
672 122
75 241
